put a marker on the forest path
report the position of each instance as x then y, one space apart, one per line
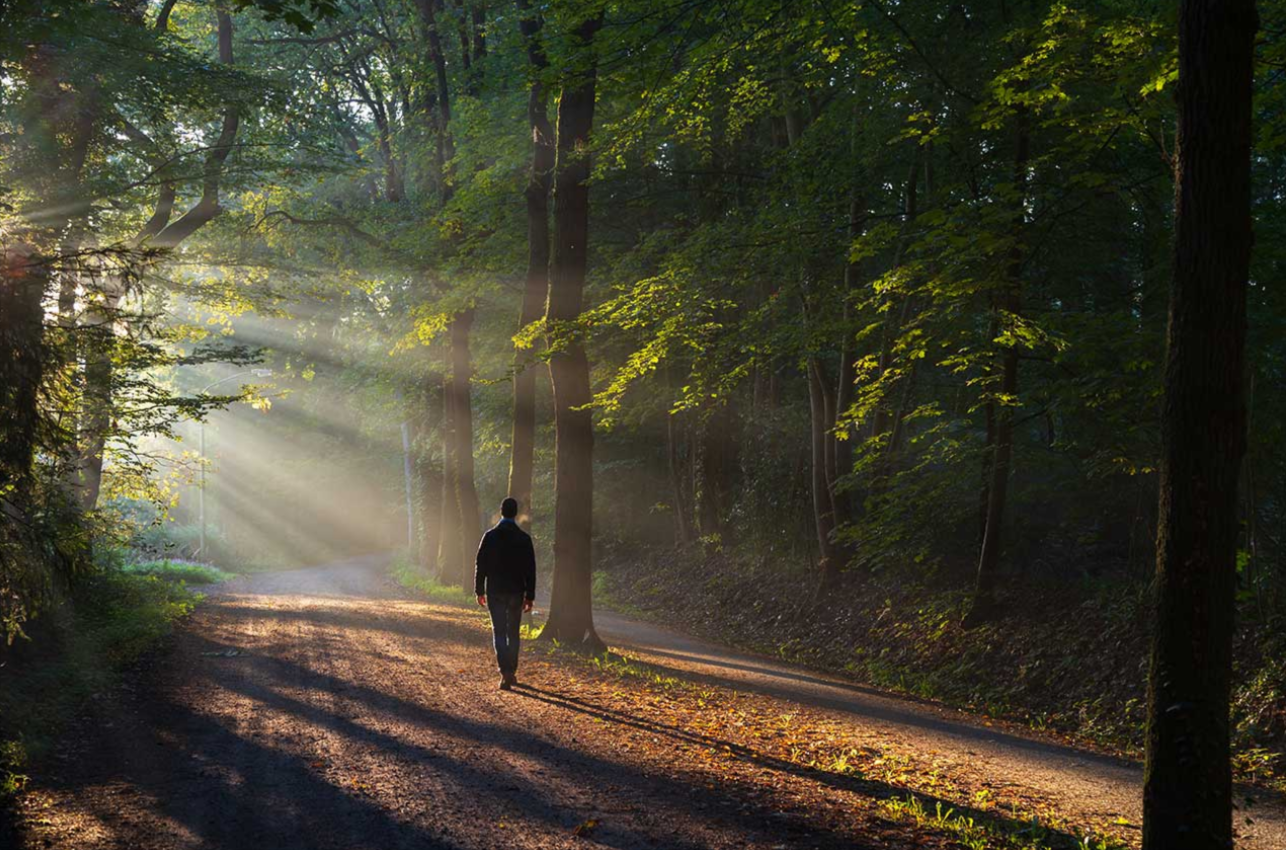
1081 786
323 708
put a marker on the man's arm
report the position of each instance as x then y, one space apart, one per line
529 573
481 564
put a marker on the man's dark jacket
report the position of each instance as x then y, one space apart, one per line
506 562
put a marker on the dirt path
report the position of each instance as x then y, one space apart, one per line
1085 787
323 709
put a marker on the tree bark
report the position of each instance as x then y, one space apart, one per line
461 406
1187 792
536 290
823 503
571 615
984 599
100 345
431 477
445 147
450 546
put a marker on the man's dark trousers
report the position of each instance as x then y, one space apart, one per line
506 620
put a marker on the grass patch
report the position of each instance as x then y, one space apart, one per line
184 571
413 577
986 833
77 651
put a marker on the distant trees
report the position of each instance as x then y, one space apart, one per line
1187 796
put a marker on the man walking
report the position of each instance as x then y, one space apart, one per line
505 583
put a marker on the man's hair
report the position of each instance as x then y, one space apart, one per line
509 508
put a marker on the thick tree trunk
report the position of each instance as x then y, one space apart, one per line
984 599
22 290
466 492
1187 793
571 616
96 426
536 291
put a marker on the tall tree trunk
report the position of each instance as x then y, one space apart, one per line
100 345
1187 791
984 599
451 543
445 149
823 504
571 615
431 473
466 492
843 451
682 522
22 291
536 291
711 471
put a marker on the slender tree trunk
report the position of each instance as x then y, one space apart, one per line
450 547
536 291
431 474
466 492
1187 792
984 600
823 505
445 150
843 451
682 523
571 615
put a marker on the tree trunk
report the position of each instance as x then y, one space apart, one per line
1187 792
536 291
823 504
450 544
431 477
682 524
445 149
844 502
100 344
466 492
571 615
984 598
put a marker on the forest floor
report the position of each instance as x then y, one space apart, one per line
328 708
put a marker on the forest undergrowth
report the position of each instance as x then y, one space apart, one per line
1071 660
77 652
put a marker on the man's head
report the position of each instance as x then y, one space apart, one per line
509 508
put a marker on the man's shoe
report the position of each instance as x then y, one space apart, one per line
506 684
512 679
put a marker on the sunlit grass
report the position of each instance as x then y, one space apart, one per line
413 577
985 833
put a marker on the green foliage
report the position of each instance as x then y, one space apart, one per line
413 577
179 571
